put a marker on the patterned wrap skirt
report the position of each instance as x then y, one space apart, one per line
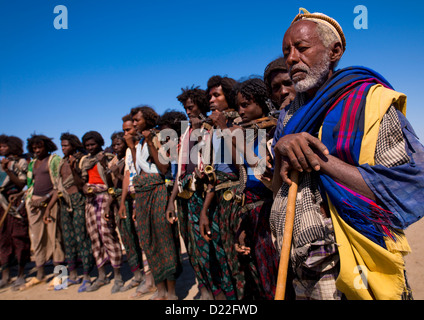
261 267
208 259
104 238
159 239
225 215
76 241
128 232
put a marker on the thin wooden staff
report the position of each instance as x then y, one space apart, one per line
280 290
5 214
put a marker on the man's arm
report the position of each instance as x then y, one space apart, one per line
170 209
204 222
303 152
163 168
76 174
13 177
132 146
125 184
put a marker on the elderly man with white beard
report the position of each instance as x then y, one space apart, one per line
359 162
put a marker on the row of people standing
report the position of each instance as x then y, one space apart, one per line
223 205
345 132
84 205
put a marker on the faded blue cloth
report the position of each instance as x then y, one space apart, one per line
222 156
401 188
278 133
252 182
3 176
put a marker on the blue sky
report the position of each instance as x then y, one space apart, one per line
116 55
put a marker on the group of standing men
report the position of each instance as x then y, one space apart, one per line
344 131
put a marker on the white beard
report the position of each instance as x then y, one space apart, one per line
315 77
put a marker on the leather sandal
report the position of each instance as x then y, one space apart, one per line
97 285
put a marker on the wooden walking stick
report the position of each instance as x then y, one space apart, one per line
280 290
5 214
9 207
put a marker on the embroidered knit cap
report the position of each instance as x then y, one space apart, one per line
323 19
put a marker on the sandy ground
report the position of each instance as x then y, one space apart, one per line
187 286
415 260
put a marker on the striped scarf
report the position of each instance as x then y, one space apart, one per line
339 106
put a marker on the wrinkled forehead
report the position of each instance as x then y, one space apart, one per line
301 31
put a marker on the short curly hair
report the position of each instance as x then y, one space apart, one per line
197 95
149 114
172 119
96 136
37 139
254 89
227 85
126 118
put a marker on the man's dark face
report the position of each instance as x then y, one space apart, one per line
128 128
248 110
92 147
191 109
282 89
4 149
139 122
67 148
217 100
306 58
119 147
40 151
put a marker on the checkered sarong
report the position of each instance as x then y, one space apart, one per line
104 239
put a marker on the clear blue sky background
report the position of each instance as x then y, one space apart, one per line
120 54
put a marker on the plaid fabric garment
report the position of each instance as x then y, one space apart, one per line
104 239
390 150
314 251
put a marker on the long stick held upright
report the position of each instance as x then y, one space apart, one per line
280 290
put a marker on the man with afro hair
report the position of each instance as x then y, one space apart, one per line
14 235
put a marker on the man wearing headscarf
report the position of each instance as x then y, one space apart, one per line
359 162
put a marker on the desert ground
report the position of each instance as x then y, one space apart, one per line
186 285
